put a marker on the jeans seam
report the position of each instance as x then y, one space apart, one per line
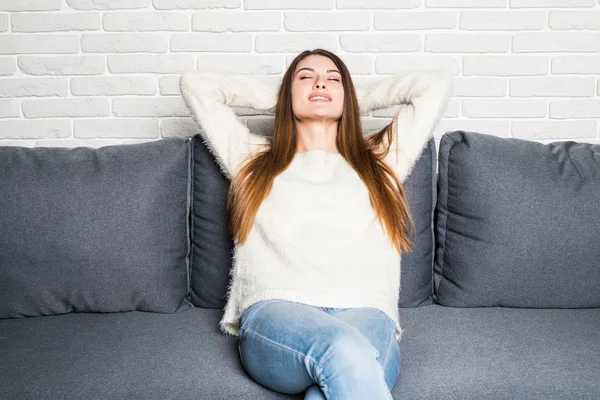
316 365
387 353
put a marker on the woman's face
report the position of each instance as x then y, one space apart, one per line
317 75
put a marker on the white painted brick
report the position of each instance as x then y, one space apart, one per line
390 21
3 22
72 107
479 87
183 4
29 5
504 108
107 4
23 129
62 65
574 20
399 63
169 85
25 87
31 44
123 43
111 142
535 130
20 143
288 4
466 3
502 20
55 22
552 86
556 41
467 43
8 66
62 143
178 127
357 64
324 22
242 64
9 108
394 4
159 64
564 109
505 65
154 107
574 64
236 21
286 43
490 126
551 3
235 42
113 86
115 128
452 109
145 21
375 43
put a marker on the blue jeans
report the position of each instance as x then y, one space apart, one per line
331 353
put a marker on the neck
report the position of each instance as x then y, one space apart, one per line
313 135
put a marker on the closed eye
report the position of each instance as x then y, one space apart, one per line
334 79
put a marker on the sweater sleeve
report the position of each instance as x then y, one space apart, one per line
209 96
422 96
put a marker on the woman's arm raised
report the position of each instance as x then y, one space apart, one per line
209 96
422 96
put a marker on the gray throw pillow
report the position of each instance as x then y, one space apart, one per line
94 230
517 223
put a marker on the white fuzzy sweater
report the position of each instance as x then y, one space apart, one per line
316 239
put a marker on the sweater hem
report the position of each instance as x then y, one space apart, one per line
230 323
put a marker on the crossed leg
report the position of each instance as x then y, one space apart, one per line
329 353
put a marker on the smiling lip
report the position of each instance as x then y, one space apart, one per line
325 95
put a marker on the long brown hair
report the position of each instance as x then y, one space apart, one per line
253 182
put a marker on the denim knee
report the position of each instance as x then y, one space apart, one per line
350 352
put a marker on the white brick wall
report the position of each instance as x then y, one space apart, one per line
98 72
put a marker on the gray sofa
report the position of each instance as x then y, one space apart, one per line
114 264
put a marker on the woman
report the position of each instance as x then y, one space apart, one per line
319 219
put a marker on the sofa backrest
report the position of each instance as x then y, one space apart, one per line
517 223
94 230
212 245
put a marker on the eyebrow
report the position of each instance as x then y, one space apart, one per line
312 69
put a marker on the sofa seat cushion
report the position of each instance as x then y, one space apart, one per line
132 355
446 353
499 353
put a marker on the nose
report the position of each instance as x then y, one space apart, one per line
320 83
